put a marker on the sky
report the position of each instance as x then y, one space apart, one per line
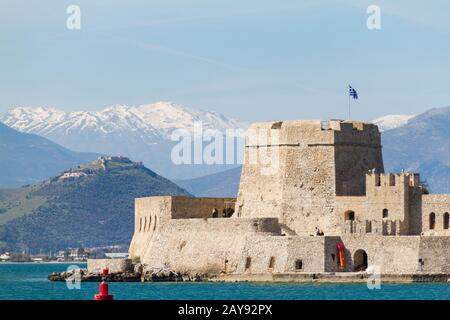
250 60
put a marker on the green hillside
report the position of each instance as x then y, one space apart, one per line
92 205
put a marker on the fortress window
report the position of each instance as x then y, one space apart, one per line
349 215
391 180
248 263
432 220
272 262
145 223
154 226
446 220
298 264
377 181
149 223
385 213
140 224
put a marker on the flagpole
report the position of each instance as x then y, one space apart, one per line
349 107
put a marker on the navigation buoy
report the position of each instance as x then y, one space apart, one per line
103 294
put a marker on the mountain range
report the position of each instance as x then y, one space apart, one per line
415 143
142 133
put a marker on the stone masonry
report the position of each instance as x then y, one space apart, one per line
306 186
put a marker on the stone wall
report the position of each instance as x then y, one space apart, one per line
205 246
439 204
314 163
114 265
391 206
313 176
153 212
401 254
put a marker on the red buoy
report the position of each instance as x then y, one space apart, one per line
104 294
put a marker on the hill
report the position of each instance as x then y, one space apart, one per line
90 205
28 158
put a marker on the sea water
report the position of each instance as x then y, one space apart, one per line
29 281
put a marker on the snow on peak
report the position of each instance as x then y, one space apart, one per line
158 119
391 121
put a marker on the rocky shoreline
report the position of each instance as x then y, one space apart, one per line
139 274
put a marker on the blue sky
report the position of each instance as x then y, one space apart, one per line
253 60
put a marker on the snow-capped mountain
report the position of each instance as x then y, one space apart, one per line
158 119
139 132
391 121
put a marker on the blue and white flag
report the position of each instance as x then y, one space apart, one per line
352 92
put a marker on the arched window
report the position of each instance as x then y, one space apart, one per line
298 264
349 215
385 213
446 220
432 220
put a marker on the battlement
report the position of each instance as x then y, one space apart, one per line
404 179
312 133
374 227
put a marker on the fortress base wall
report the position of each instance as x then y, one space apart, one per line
256 246
114 265
400 254
205 246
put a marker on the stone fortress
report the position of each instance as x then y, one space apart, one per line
328 208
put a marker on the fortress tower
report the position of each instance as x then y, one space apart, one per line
293 170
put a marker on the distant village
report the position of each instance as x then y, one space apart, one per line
67 255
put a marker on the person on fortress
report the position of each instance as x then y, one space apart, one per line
228 212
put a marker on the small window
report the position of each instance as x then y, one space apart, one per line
145 223
432 220
377 180
446 220
298 264
349 215
140 224
333 256
271 262
149 223
154 226
248 263
385 213
391 180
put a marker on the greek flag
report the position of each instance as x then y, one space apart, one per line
352 92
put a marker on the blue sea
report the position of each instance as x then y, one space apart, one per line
29 281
